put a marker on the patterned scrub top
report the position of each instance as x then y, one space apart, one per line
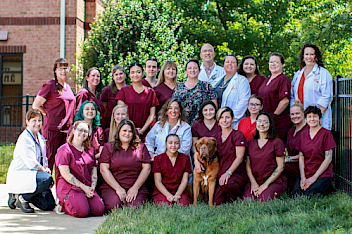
193 98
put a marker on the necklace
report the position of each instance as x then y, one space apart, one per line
79 148
225 137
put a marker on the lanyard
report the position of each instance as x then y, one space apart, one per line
37 143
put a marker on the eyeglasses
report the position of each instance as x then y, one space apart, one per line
80 130
274 63
207 51
265 122
254 104
63 69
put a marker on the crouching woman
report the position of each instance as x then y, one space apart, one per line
171 170
28 177
77 175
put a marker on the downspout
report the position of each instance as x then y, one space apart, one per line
62 28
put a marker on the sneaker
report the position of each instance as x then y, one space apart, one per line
58 210
24 205
12 200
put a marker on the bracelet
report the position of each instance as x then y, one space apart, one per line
229 172
289 158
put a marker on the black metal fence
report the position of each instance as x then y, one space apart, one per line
12 112
343 133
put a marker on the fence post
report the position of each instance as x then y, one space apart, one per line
27 101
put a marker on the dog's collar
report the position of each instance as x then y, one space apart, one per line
212 158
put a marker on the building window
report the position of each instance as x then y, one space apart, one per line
11 89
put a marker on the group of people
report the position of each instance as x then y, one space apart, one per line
111 150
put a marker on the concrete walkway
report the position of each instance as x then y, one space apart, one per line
15 221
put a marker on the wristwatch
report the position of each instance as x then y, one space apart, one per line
229 172
289 158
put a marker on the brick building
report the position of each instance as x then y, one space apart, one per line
31 40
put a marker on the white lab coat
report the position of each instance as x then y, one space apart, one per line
21 176
215 75
157 136
317 90
236 96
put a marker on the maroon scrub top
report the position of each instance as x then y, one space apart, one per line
247 127
227 154
292 141
255 84
125 166
108 97
272 94
60 109
314 149
263 160
106 135
139 104
86 95
163 93
171 175
199 129
80 164
146 83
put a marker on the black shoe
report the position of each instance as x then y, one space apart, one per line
24 205
12 200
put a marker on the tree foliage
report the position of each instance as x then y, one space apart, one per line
176 29
132 30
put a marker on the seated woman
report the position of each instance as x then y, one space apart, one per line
119 113
172 120
247 125
91 88
232 144
88 112
206 126
265 162
171 170
29 178
76 176
315 156
125 166
294 134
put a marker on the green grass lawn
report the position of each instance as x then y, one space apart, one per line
6 155
331 214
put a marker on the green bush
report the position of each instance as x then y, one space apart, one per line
135 30
6 155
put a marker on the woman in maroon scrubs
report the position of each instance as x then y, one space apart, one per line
265 162
89 113
109 93
76 176
57 103
315 156
206 126
141 100
171 170
275 92
248 125
167 82
125 166
119 113
249 69
91 87
232 176
293 136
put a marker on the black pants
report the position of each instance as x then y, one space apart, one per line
322 186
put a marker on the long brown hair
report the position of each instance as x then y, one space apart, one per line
134 143
112 83
61 62
86 143
163 112
99 86
318 56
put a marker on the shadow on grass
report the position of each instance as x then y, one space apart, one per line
331 214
